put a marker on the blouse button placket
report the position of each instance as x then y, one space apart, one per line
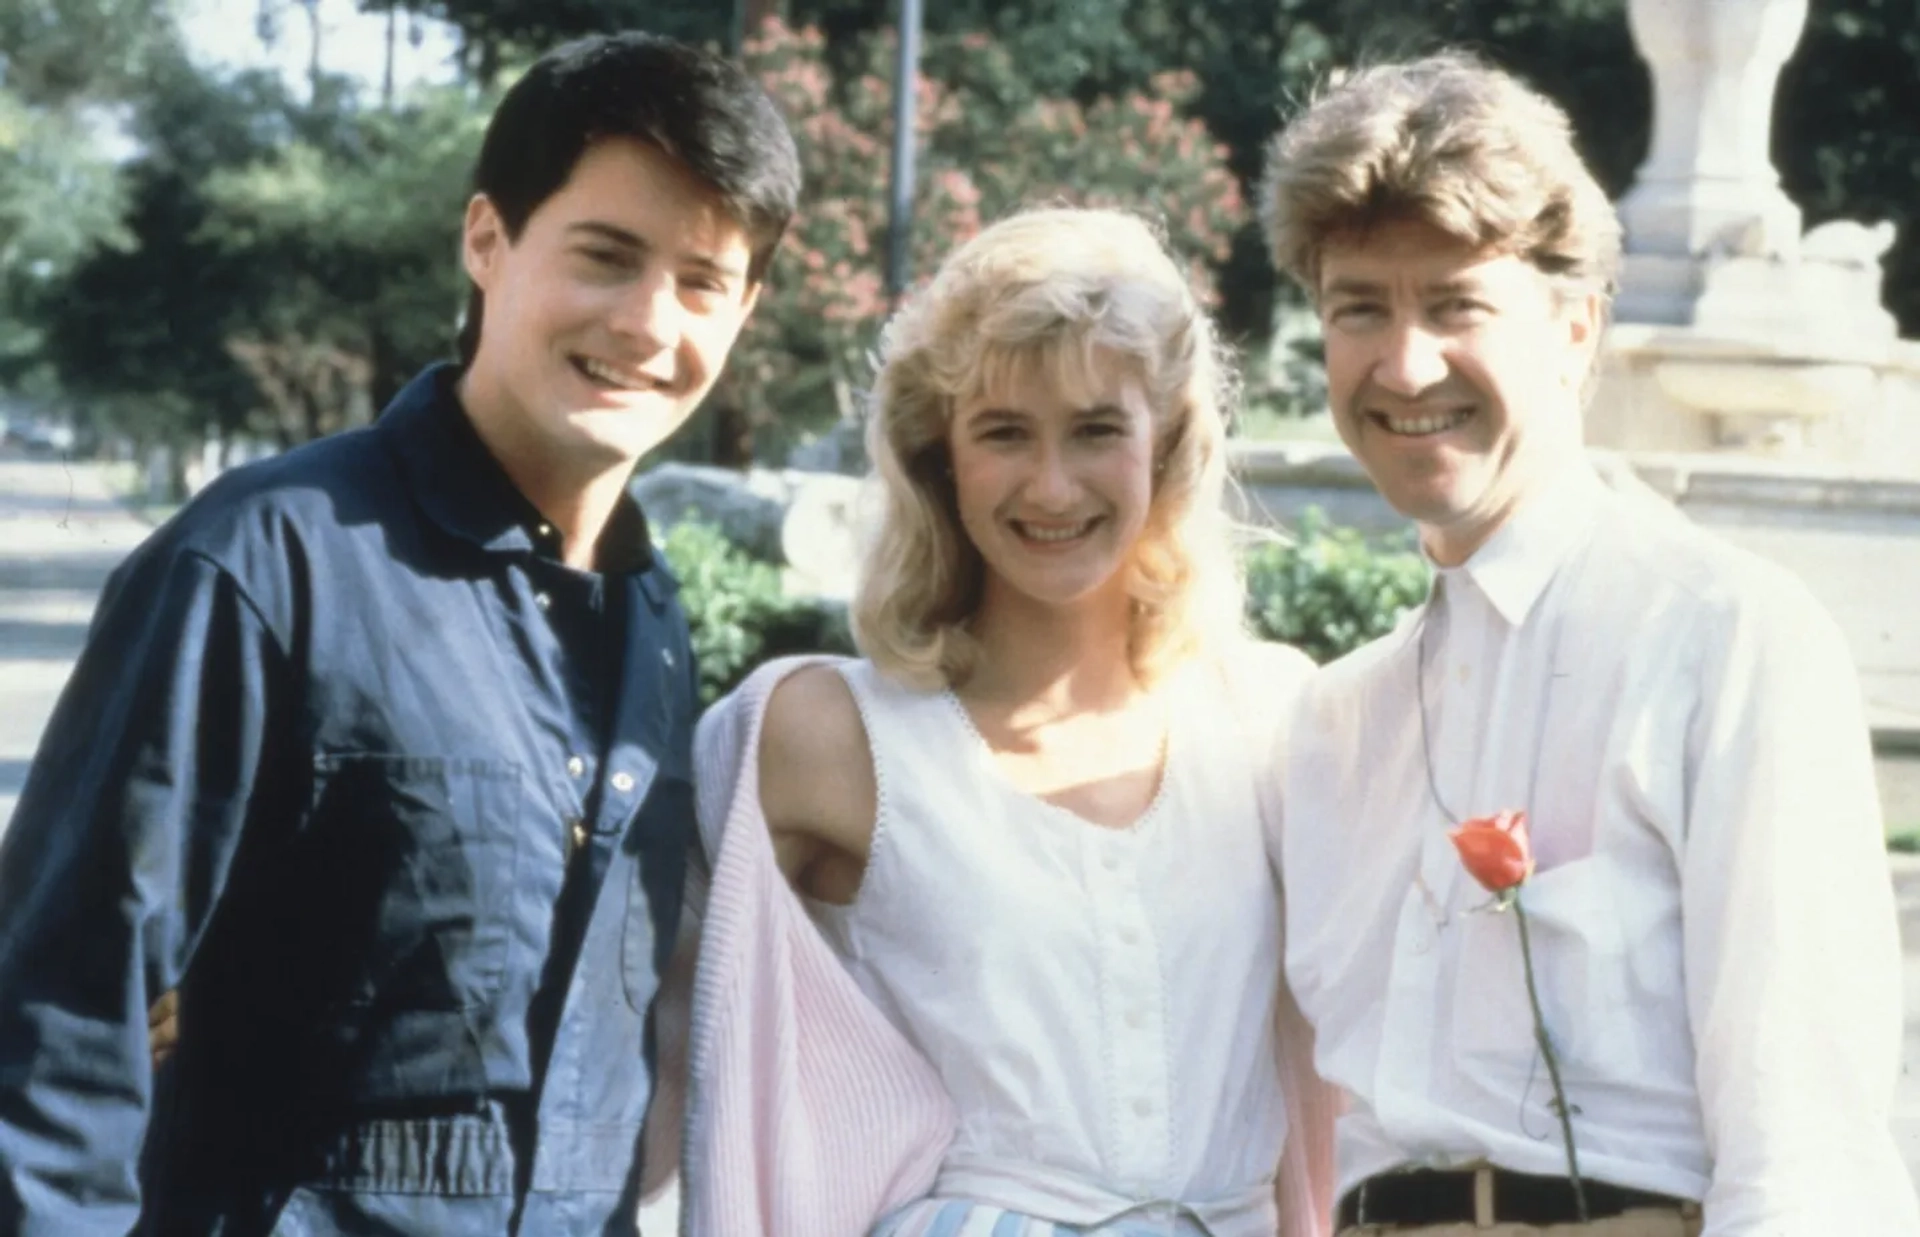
1133 1011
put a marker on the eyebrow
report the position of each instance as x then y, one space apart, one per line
1360 288
996 413
628 240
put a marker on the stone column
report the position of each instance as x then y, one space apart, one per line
1708 187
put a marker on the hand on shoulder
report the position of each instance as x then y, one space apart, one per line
817 785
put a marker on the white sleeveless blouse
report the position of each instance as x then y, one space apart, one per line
1099 1002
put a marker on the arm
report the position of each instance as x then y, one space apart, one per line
1792 954
117 850
817 785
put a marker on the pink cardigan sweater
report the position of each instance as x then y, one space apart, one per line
806 1114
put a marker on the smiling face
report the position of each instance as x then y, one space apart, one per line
1054 485
1454 376
608 319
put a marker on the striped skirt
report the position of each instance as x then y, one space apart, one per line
959 1217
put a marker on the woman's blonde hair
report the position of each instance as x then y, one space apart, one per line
1061 293
1450 141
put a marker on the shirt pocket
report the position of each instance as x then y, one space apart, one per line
421 858
1580 967
657 846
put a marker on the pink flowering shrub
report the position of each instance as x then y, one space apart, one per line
986 147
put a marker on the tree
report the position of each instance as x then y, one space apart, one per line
63 63
493 33
362 225
137 335
1844 135
989 145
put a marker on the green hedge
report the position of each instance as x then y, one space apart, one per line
1326 591
1329 590
736 613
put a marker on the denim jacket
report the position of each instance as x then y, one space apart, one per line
402 805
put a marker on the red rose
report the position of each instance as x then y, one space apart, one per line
1495 850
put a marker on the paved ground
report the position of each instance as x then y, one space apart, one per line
61 533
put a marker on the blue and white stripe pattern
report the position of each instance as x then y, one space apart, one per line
959 1217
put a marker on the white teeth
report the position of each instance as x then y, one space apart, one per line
1415 426
1054 534
614 377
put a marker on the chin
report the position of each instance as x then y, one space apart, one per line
628 432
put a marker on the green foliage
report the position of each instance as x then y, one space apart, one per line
64 66
137 335
736 613
293 261
361 221
57 51
1329 590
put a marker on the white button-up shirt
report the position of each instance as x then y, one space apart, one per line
1712 918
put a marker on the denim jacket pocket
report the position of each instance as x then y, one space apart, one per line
657 847
418 856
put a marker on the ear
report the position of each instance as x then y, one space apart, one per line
483 238
751 298
1583 318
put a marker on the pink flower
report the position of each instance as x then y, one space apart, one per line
1496 850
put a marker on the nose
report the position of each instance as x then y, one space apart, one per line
1412 359
1052 487
648 313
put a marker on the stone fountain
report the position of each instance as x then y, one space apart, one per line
1735 331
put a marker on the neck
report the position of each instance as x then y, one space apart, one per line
576 497
1054 660
1453 543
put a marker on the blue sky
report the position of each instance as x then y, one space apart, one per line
222 32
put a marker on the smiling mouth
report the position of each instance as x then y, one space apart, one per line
1421 426
613 377
1054 534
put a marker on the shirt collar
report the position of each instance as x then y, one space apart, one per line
463 489
1513 567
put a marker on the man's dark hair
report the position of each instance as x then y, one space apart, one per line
693 105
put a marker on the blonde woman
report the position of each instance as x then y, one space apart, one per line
1026 829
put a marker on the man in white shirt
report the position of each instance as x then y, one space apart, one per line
1711 920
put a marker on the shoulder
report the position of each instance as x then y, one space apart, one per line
245 519
811 759
1261 683
246 529
1658 557
1264 672
812 716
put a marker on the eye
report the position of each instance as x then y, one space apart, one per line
607 260
1003 432
1356 314
1102 429
1462 309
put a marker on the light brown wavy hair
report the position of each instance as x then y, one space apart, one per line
1061 293
1450 141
